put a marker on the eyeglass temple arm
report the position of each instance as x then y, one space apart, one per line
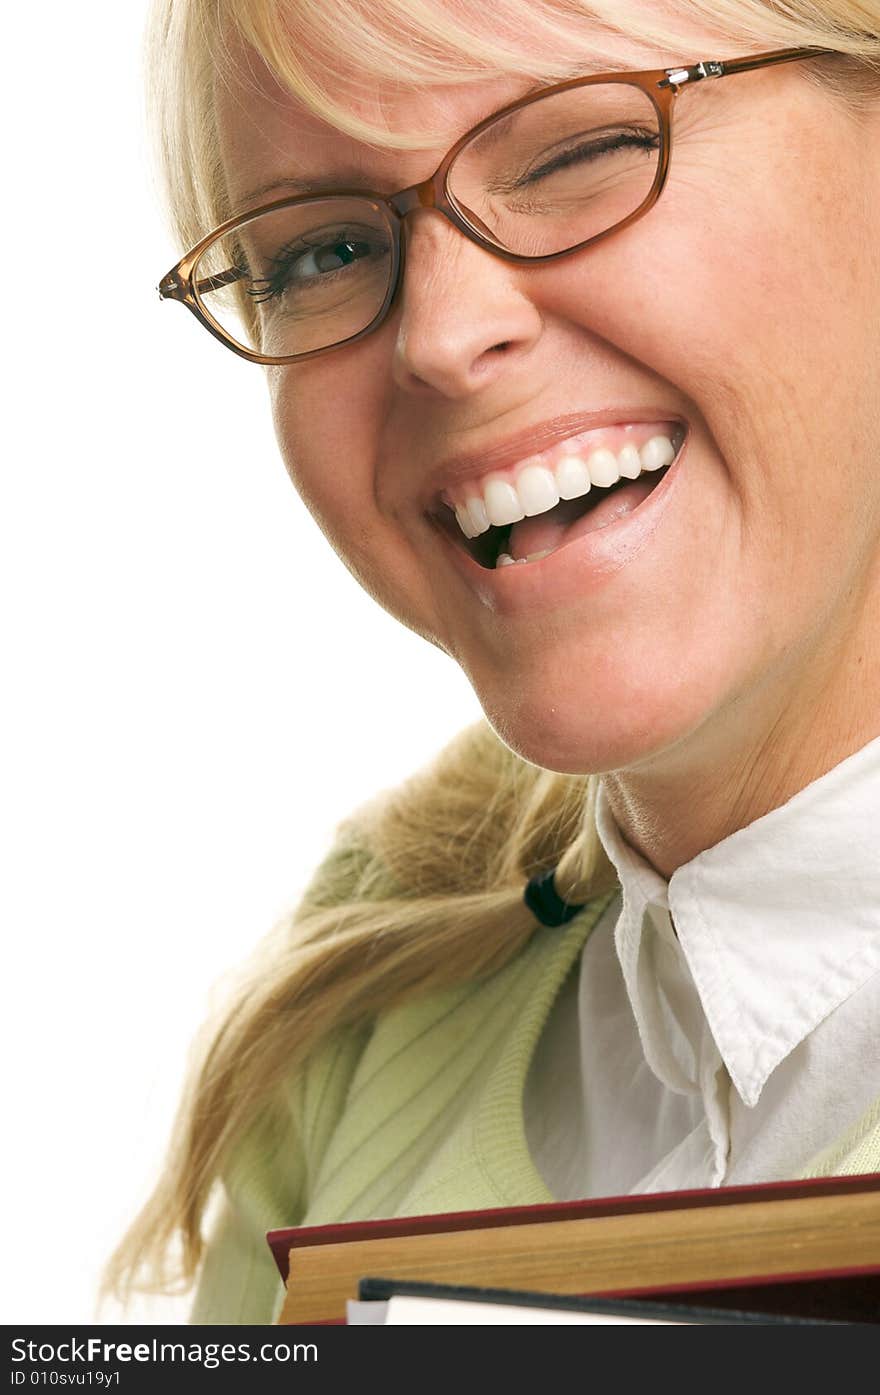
172 288
713 68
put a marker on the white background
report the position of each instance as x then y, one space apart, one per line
194 690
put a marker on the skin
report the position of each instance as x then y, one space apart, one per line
736 657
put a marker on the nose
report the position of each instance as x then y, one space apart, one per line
464 318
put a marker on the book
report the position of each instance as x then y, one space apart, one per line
807 1248
407 1303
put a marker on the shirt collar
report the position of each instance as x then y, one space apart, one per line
778 923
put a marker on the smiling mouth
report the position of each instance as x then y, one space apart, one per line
524 514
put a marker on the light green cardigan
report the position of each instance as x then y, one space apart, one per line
420 1114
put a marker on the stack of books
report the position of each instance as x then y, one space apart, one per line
781 1252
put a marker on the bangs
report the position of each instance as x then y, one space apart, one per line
333 55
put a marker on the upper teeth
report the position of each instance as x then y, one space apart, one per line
497 501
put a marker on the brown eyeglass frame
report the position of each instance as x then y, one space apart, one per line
661 86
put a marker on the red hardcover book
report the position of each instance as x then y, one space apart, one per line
806 1249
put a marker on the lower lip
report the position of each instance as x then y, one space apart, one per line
583 564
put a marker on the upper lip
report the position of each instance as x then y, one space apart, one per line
498 455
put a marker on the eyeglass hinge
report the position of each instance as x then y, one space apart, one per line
167 286
676 77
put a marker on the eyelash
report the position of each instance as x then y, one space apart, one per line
593 149
274 285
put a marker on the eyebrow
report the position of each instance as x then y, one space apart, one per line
320 184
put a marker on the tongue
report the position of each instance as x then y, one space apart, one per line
572 518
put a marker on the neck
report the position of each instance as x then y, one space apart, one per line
752 756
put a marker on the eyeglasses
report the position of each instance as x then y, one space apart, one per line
546 176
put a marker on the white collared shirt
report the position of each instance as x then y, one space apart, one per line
731 1040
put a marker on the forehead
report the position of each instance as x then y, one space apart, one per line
272 144
273 147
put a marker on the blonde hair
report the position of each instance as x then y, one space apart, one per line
424 885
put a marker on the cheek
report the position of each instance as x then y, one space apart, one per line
329 415
781 303
746 291
326 423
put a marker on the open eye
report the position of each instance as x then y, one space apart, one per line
316 258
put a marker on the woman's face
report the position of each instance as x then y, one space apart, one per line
743 308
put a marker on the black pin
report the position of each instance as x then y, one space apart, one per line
545 903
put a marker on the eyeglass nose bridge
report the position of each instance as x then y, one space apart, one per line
423 195
431 193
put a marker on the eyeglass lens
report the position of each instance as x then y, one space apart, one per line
538 181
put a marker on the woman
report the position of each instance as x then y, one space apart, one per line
608 439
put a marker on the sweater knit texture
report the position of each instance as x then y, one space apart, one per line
420 1113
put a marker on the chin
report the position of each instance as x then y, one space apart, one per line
568 733
563 748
